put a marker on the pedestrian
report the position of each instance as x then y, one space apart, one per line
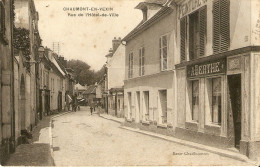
91 109
74 102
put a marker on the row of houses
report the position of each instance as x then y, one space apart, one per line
34 80
190 69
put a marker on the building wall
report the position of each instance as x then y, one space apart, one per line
6 87
243 34
149 39
116 68
153 85
243 31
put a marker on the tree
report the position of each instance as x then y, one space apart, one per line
84 74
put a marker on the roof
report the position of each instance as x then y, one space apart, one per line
91 90
164 11
153 2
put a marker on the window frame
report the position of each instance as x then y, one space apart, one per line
161 52
211 103
130 64
141 52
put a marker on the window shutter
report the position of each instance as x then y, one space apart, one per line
224 24
203 29
191 38
221 26
143 61
129 65
216 26
160 53
183 38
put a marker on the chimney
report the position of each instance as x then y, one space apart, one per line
144 10
116 43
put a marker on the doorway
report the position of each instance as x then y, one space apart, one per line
234 85
22 103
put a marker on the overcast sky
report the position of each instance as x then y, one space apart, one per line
85 38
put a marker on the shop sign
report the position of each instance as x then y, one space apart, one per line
190 5
207 68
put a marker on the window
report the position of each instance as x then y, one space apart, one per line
216 101
130 68
163 52
141 61
195 101
197 34
221 26
162 107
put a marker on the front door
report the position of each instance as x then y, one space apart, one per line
234 85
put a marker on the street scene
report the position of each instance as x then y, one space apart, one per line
126 83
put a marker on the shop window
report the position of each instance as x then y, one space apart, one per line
163 52
216 101
130 65
221 26
195 101
141 61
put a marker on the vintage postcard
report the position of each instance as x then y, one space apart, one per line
129 82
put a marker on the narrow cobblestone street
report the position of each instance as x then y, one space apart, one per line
80 138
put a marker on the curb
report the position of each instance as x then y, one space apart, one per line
218 151
50 131
110 119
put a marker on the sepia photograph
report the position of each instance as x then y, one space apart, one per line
129 82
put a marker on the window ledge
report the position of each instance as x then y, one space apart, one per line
213 125
162 125
192 122
146 122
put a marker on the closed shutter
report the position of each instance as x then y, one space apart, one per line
224 24
2 19
183 38
216 26
191 37
203 29
221 26
142 61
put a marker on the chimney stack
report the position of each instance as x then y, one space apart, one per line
116 42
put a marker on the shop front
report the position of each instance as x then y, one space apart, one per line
218 100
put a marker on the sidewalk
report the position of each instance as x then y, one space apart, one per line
222 152
112 118
38 152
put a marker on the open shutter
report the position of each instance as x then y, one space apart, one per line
216 26
143 61
183 38
224 24
129 64
203 29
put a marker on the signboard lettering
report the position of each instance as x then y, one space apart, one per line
207 68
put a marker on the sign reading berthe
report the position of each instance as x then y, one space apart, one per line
207 68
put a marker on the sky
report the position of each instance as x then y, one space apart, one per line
81 37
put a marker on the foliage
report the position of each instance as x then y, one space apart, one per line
21 41
84 74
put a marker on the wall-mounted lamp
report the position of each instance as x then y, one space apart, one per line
41 55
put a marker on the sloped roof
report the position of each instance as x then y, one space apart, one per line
164 11
91 90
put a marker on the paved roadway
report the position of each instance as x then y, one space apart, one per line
83 139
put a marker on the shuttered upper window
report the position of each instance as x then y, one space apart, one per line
197 34
221 26
163 45
183 30
130 65
141 61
